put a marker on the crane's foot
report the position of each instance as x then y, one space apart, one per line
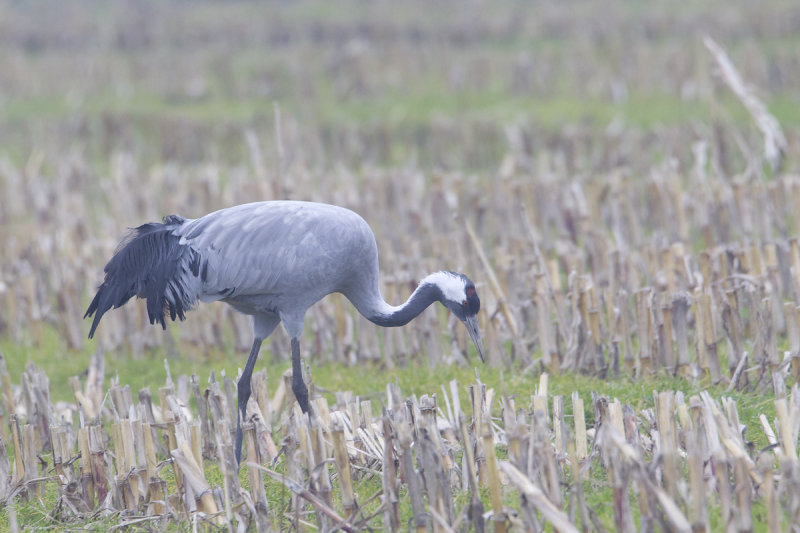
243 387
300 391
238 445
299 387
244 395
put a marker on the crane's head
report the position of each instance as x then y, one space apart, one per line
461 298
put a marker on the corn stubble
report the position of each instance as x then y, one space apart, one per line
675 464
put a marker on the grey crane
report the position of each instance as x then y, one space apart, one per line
272 261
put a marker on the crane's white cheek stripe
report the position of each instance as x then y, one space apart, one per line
452 287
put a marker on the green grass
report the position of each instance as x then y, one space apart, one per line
399 106
417 378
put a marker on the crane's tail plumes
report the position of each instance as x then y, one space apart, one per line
150 263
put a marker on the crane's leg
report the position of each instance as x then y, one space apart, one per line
244 394
299 387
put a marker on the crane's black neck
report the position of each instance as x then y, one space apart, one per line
425 295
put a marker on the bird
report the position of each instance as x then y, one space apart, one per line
271 260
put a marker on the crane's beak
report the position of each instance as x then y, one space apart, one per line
472 326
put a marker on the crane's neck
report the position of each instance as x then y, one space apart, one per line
376 310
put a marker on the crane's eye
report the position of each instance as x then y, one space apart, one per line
464 303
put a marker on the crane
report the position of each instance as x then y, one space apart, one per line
270 260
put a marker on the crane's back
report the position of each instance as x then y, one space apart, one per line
280 254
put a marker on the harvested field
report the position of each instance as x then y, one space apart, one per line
147 464
623 195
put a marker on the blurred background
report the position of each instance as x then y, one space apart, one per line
432 84
422 116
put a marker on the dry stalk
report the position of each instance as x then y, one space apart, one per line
775 143
536 497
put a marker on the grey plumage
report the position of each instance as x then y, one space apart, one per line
272 261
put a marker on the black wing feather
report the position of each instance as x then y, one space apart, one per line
149 263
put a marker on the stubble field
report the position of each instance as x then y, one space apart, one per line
619 179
